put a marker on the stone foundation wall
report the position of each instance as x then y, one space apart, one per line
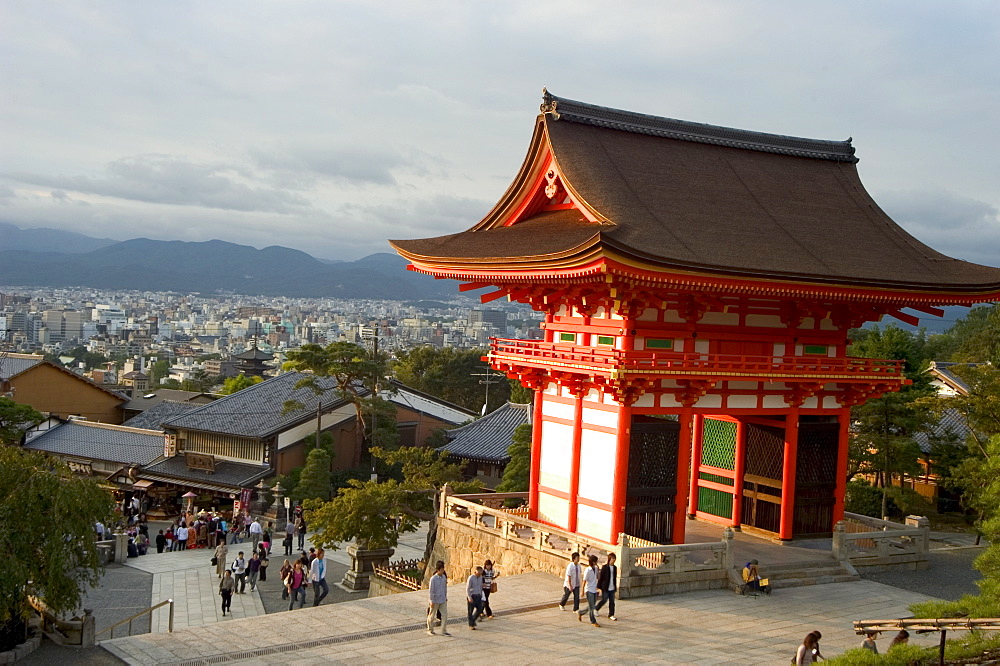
463 548
380 587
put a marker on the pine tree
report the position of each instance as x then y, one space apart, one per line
315 480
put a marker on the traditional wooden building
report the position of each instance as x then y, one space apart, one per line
698 284
52 389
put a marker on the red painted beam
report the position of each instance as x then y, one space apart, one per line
536 455
843 445
683 461
788 467
620 493
696 450
574 466
738 472
902 316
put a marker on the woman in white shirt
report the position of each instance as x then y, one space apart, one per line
590 577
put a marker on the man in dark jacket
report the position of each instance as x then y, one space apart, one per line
161 542
607 583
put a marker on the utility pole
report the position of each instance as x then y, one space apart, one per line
375 378
489 377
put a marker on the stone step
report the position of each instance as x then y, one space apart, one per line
778 583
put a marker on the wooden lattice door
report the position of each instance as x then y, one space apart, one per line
762 479
815 478
652 480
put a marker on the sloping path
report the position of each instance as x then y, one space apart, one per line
699 627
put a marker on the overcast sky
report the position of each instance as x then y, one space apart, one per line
331 126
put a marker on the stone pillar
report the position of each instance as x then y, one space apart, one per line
362 561
121 547
88 633
727 538
839 549
924 524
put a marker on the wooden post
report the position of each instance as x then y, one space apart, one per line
574 466
739 469
696 449
620 495
788 468
843 446
536 455
683 459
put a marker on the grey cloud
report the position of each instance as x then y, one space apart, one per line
355 164
959 226
165 179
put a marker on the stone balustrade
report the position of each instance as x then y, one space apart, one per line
875 545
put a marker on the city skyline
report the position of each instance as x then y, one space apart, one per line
330 127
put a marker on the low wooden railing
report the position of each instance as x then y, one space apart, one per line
867 541
148 611
607 361
393 571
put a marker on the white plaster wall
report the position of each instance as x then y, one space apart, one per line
701 346
645 400
649 314
597 465
779 348
557 410
709 401
600 417
593 522
827 325
810 403
554 510
743 386
774 402
830 402
672 317
668 400
721 318
557 448
768 321
338 415
679 345
593 395
741 402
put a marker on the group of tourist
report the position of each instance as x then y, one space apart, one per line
309 570
902 638
478 587
597 581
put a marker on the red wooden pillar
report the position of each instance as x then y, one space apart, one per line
843 444
683 461
696 447
620 495
574 465
536 455
788 474
739 469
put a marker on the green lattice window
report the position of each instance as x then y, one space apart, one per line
567 337
605 340
715 478
659 343
715 502
815 350
718 444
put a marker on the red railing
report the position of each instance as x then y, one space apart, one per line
606 360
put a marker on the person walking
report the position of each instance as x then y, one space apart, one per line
590 577
808 652
161 542
489 573
283 572
571 583
869 642
289 536
181 537
169 538
223 531
607 583
317 576
240 572
220 559
264 562
226 587
902 638
438 599
253 570
474 595
256 532
297 580
265 540
300 530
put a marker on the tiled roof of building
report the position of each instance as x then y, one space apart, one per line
154 417
15 364
944 369
227 474
951 428
681 196
488 438
99 441
258 410
156 396
427 404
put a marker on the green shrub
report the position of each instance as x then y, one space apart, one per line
865 499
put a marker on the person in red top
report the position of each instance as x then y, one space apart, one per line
296 583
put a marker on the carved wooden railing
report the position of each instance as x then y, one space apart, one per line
615 361
864 540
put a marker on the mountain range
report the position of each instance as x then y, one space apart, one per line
51 258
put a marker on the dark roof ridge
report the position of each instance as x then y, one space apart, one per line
559 108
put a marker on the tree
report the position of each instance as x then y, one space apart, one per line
48 515
453 375
381 429
519 393
314 482
517 474
14 420
199 381
158 371
365 512
233 384
355 371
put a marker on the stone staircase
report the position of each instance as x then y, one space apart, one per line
799 574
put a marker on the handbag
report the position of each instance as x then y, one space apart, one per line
493 587
215 561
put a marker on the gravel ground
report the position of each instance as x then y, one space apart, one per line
949 576
123 591
270 590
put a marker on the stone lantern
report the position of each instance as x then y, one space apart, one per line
277 512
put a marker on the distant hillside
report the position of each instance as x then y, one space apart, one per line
13 238
218 266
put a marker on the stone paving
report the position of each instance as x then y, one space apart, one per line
707 627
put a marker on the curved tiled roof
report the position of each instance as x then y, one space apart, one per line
227 473
98 441
154 417
675 197
488 438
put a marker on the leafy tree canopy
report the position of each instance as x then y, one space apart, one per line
233 384
48 515
452 374
314 482
516 476
15 418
